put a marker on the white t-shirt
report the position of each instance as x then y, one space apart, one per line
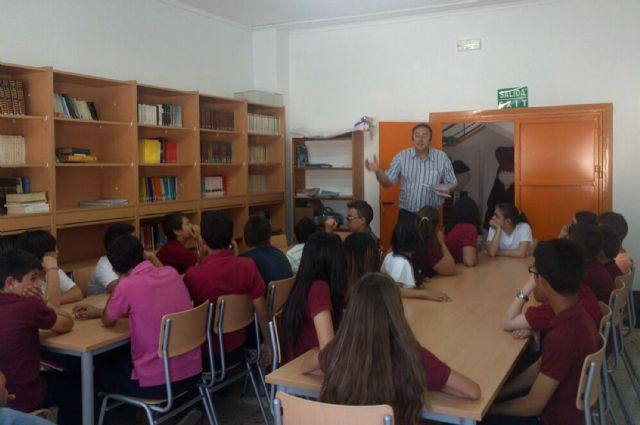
400 270
101 276
522 233
294 255
65 283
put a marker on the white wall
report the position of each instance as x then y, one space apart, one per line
566 52
143 40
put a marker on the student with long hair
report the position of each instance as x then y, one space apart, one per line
510 232
432 255
462 233
314 307
375 358
362 254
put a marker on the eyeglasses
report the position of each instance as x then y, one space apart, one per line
351 218
533 271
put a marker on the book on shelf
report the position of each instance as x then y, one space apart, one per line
160 114
67 106
26 197
12 150
213 186
216 153
12 98
257 153
72 151
158 188
217 119
157 151
151 236
302 156
104 202
26 203
263 124
76 158
257 183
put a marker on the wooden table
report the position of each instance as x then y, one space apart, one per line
466 333
88 338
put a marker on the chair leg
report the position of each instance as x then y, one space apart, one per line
631 371
263 383
103 409
208 405
621 400
256 392
606 396
150 415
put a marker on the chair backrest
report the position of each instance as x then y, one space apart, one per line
81 277
290 410
233 312
618 300
274 335
606 316
277 294
280 242
185 331
589 386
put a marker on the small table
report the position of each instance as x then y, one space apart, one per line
88 338
465 333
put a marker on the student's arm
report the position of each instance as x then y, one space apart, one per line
260 306
514 316
72 295
50 266
148 255
470 256
521 382
493 245
460 386
106 319
324 330
533 403
447 265
64 321
521 252
111 286
424 294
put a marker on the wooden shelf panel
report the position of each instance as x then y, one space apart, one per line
222 164
221 132
32 165
165 128
97 123
11 117
321 168
165 207
10 224
169 164
221 202
265 135
93 214
93 164
325 198
265 198
265 164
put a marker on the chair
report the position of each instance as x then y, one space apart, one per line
233 312
280 242
276 350
623 282
180 333
589 386
50 414
290 410
277 293
629 313
81 277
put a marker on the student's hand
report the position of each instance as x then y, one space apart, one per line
521 333
49 261
86 311
564 232
494 224
441 237
528 287
234 247
32 290
372 165
267 355
435 295
330 224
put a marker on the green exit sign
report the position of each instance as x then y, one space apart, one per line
513 97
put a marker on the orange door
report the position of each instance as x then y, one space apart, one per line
559 169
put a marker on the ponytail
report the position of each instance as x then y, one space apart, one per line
511 212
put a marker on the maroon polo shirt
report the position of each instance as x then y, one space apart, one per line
425 263
176 255
572 336
539 317
222 273
20 320
462 234
613 270
599 280
318 300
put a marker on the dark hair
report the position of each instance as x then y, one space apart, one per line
16 263
322 259
404 239
125 253
465 210
588 237
303 229
257 230
362 253
171 222
562 263
364 210
7 243
423 125
216 229
615 220
37 242
611 241
510 212
586 217
427 220
114 231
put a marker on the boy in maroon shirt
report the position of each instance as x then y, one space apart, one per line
179 231
22 314
611 244
552 382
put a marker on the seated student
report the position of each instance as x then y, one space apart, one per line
611 244
271 262
302 230
314 307
579 217
552 382
598 279
510 233
179 231
145 294
103 278
462 233
619 224
22 314
432 255
221 272
374 334
359 216
59 288
9 416
398 263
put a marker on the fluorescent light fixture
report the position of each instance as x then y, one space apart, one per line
467 45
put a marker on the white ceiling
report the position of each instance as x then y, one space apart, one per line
263 13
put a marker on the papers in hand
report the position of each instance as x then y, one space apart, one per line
441 190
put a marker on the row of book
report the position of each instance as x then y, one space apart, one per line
217 119
69 107
105 202
12 97
257 183
157 151
158 188
213 186
211 152
151 236
11 185
26 203
257 153
12 150
74 155
263 124
160 114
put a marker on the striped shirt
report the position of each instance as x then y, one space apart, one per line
416 174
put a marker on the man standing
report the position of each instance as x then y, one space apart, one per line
420 170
